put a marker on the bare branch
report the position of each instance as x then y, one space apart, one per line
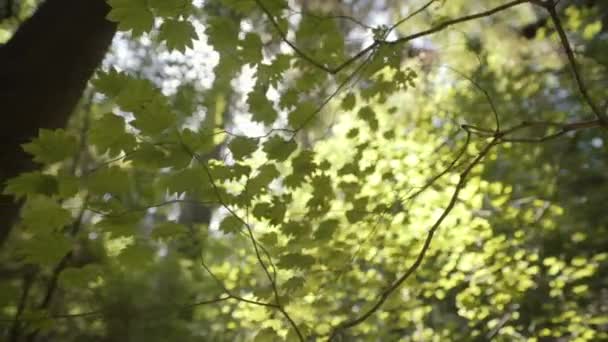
256 248
332 16
294 47
485 93
325 101
573 64
448 23
433 179
411 15
15 330
395 285
96 313
370 47
563 128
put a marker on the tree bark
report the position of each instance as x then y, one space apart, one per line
44 69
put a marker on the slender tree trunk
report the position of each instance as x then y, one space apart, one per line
44 69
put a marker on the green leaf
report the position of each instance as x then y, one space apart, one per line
304 163
310 80
302 114
359 211
176 156
350 168
42 213
113 179
222 33
386 56
294 180
275 211
240 6
171 8
110 83
261 107
169 230
349 101
275 6
123 224
136 256
289 98
231 225
46 249
368 115
267 335
242 147
154 118
135 93
177 34
278 149
52 146
269 239
200 142
240 170
252 48
296 261
294 284
272 73
108 134
185 101
322 186
266 174
148 156
31 183
131 15
353 133
296 229
262 210
326 230
81 277
318 204
221 172
190 180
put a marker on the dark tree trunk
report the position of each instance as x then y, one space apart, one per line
44 69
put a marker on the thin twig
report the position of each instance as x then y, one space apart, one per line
460 20
53 283
15 331
283 36
97 313
450 167
573 64
254 242
325 101
563 128
411 15
370 47
384 295
332 16
401 199
485 93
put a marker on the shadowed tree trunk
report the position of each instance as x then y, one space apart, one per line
44 69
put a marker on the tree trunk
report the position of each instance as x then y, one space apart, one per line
44 69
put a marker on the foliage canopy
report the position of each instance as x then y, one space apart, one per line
275 170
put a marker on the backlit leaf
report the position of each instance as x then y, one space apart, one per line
52 146
279 149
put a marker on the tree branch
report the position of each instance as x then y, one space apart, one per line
254 242
370 47
395 285
549 5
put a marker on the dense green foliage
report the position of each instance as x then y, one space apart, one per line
418 172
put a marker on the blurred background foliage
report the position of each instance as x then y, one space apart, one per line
344 212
